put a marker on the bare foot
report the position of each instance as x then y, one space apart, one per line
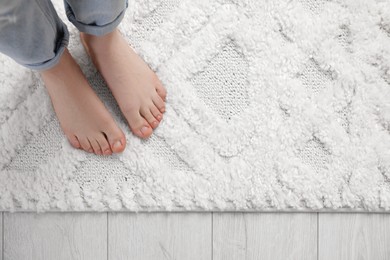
136 88
82 115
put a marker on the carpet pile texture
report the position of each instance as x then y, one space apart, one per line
272 105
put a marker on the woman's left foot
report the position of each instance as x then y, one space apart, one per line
139 93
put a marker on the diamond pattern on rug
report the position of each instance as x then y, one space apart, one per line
96 170
39 149
345 115
315 154
222 84
315 6
143 28
313 77
385 26
344 36
162 150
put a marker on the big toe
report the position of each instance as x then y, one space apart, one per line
161 91
74 141
116 138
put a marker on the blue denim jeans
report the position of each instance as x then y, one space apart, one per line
34 36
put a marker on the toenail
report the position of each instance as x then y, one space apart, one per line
155 123
159 117
107 151
90 150
144 129
117 145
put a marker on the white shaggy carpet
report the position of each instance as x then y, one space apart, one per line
272 105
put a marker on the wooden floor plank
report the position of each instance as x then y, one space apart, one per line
189 236
354 236
159 236
1 235
55 236
265 236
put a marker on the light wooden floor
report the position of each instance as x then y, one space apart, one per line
195 236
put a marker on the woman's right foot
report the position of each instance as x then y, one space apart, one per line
82 115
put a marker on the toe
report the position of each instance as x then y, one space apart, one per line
95 145
85 144
147 114
116 139
74 141
104 145
138 125
156 113
159 103
145 131
162 92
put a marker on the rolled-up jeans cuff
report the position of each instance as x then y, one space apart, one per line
97 30
61 44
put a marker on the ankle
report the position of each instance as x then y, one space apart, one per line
63 62
98 40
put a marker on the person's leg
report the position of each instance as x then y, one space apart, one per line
97 17
33 35
135 86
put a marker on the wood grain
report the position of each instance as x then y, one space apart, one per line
55 236
354 236
1 235
160 236
194 236
265 236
